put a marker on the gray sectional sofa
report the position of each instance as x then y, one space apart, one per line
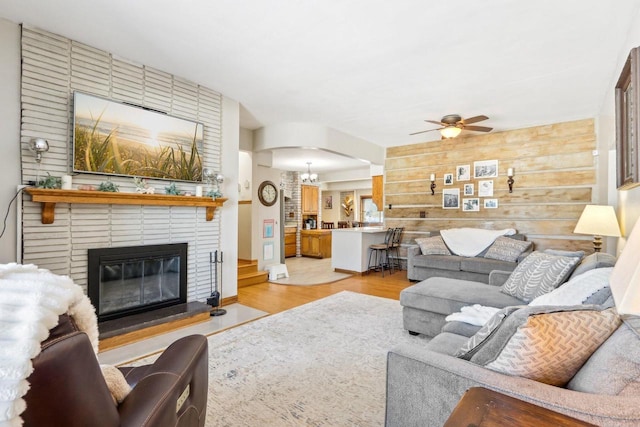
421 267
426 381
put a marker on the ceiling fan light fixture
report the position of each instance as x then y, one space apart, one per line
450 131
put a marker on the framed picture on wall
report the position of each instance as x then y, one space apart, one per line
491 203
267 228
463 173
468 190
627 115
328 202
267 251
448 179
485 188
485 169
471 205
451 198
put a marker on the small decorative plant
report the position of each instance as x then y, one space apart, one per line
172 190
50 182
214 194
108 187
142 186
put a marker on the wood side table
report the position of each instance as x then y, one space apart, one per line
481 407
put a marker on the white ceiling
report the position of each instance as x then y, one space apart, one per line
374 69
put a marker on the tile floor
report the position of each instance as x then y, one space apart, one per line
236 315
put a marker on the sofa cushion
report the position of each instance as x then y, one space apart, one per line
506 249
594 260
445 296
475 342
485 265
577 290
560 252
433 246
538 274
614 368
547 344
446 343
460 328
441 262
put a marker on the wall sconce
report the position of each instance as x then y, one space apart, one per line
39 146
510 181
433 184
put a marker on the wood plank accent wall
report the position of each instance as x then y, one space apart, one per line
555 177
53 67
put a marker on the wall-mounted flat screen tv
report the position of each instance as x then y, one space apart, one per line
115 138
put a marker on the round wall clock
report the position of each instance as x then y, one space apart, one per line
268 193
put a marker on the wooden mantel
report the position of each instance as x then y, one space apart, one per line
49 198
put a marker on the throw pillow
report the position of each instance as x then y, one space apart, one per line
577 290
433 246
506 249
595 260
538 274
547 344
474 343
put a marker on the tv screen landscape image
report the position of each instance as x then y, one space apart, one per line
114 138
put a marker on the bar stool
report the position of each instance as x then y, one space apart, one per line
326 225
381 251
395 246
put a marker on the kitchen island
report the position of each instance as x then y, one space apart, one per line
350 247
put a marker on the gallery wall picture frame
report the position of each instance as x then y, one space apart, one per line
627 100
448 179
267 251
451 198
468 190
485 188
463 173
491 203
485 169
267 228
471 205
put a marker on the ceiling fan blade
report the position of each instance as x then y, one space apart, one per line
423 131
475 119
434 122
478 128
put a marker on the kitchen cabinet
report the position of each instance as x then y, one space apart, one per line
309 200
289 241
315 243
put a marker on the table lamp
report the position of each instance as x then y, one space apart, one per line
598 221
625 278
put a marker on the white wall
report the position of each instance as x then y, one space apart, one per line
244 175
333 214
628 202
9 134
261 212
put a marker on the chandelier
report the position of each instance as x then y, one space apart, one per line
308 176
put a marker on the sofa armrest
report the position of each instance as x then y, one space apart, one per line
423 388
498 277
173 390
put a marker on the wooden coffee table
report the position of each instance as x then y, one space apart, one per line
481 407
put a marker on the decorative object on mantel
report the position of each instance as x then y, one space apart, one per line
210 176
433 183
598 221
510 181
39 146
108 187
142 186
172 190
50 182
49 198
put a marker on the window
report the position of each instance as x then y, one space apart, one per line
369 211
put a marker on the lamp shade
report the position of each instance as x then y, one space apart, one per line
625 278
450 131
598 221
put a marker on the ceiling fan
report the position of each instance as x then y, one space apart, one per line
453 124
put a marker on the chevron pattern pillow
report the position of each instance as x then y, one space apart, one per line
433 246
538 274
547 344
475 342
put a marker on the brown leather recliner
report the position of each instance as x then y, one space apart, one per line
68 389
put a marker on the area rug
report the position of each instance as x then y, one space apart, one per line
304 271
320 364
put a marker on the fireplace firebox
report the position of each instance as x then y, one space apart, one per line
129 280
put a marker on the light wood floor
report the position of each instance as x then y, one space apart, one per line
274 298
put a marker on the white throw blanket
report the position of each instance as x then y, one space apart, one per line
471 241
31 299
578 289
475 315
